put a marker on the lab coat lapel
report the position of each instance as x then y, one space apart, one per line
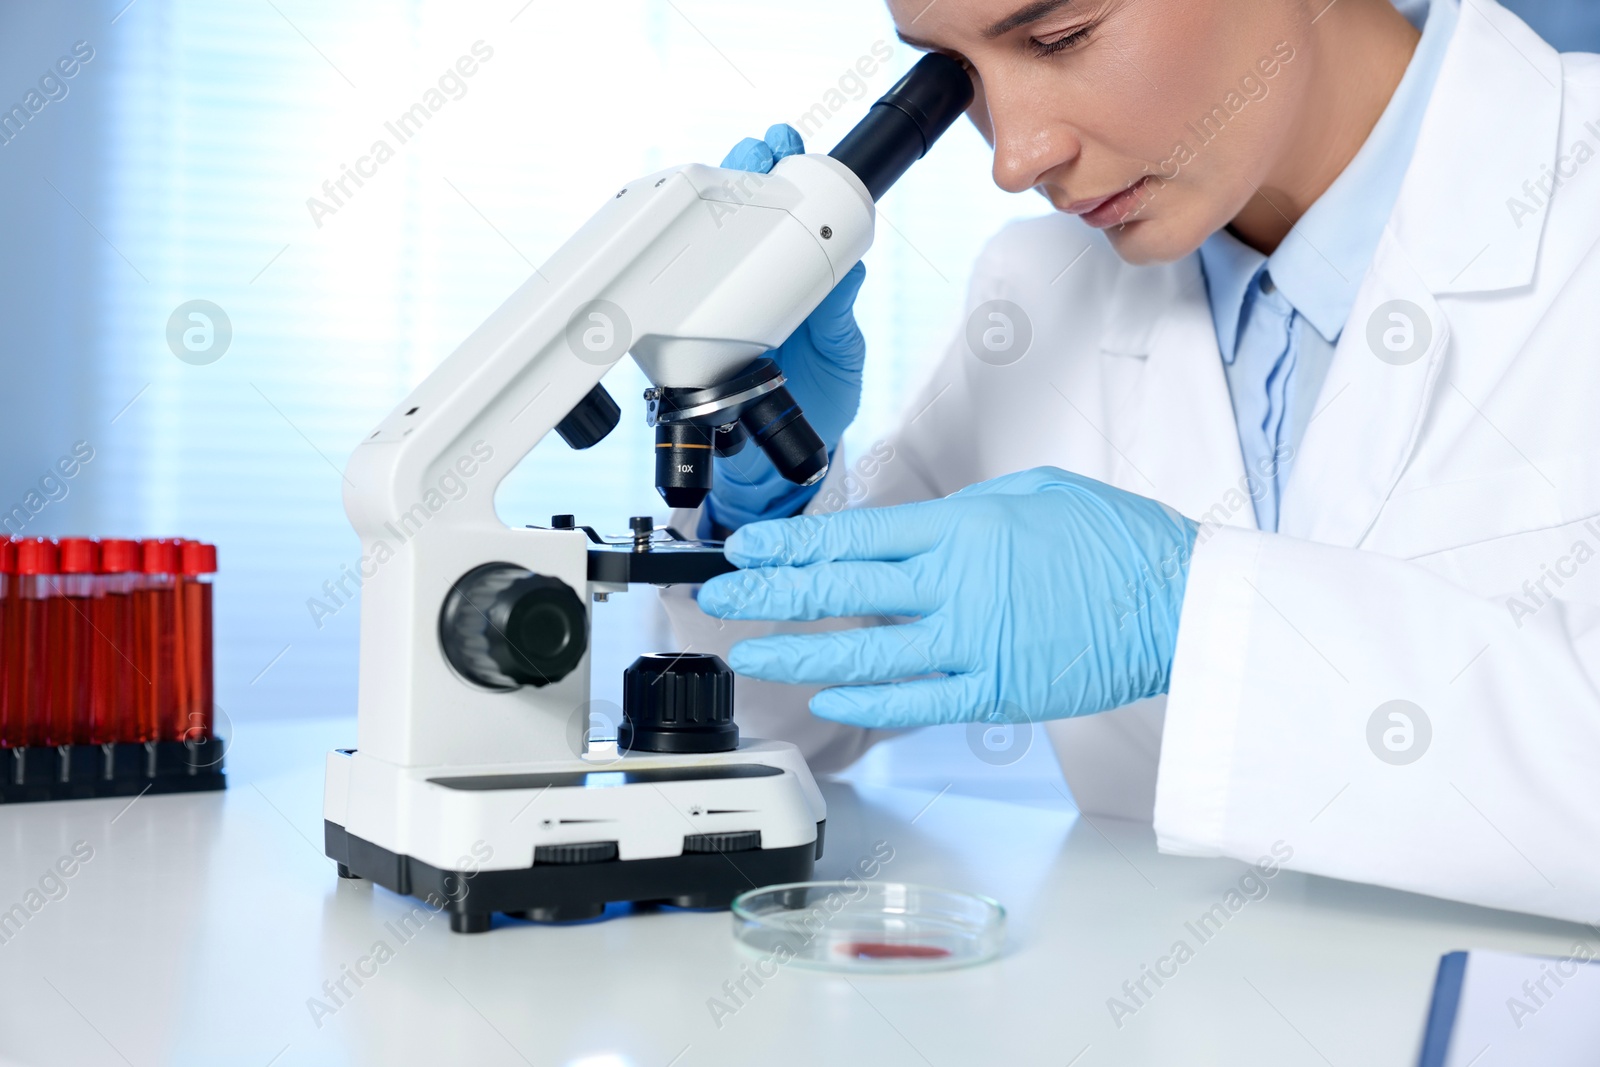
1497 75
1371 407
1492 126
1181 445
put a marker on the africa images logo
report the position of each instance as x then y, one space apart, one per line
1399 732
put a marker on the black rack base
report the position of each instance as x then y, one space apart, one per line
570 892
123 769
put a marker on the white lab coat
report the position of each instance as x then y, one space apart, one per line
1424 497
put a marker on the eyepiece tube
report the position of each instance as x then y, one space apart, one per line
904 123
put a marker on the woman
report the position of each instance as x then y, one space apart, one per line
1302 403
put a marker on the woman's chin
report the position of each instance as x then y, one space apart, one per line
1151 239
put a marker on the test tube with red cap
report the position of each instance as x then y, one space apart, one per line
37 566
198 562
113 658
10 721
69 629
174 720
155 638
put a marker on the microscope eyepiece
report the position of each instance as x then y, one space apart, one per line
904 123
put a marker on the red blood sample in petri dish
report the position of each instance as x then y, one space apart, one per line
887 950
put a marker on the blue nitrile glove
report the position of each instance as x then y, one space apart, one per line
822 360
1039 595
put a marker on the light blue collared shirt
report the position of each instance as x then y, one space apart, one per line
1278 317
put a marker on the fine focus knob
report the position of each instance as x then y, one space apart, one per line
502 626
677 702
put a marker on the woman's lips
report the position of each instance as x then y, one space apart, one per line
1110 210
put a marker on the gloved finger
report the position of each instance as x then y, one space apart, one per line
784 140
833 323
761 155
827 590
888 534
869 654
750 154
923 702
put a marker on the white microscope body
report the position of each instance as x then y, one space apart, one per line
484 794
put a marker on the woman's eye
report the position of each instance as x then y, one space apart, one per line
1054 45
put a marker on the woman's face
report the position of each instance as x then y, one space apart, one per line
1156 120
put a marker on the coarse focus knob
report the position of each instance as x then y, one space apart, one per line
502 626
677 702
587 424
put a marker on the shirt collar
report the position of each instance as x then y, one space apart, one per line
1320 264
1230 268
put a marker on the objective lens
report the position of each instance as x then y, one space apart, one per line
729 440
683 463
694 424
776 423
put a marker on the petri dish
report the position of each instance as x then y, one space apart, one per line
878 927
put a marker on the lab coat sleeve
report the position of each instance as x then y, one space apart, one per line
1280 736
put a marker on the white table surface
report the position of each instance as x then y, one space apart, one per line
203 924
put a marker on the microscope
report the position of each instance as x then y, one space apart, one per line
475 785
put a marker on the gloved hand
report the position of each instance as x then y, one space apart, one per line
1038 595
822 360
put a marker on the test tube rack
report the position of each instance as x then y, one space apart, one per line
106 684
112 769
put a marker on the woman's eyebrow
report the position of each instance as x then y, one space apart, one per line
921 46
1022 16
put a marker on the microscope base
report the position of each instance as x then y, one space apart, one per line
573 891
558 840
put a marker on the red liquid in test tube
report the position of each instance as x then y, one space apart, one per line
70 632
155 638
174 723
10 721
198 562
115 678
36 571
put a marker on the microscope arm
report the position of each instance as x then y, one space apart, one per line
697 271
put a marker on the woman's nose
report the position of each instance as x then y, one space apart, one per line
1028 142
